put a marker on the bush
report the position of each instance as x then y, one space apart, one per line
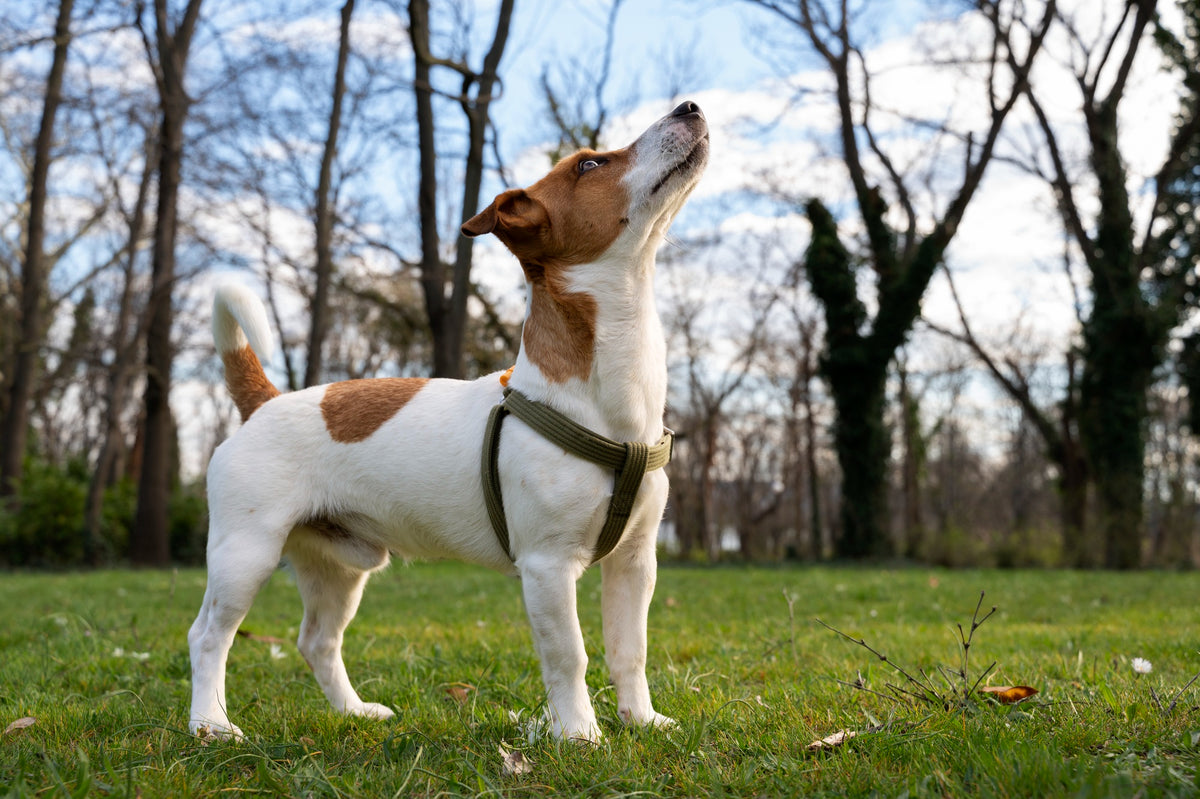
43 526
188 509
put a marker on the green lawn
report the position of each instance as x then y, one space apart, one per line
99 661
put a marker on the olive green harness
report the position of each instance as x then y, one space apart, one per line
630 461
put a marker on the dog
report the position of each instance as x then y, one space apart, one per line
334 479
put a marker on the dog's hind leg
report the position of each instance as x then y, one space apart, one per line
239 563
331 577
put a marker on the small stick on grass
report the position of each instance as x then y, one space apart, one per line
927 694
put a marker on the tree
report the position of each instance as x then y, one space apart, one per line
1058 429
15 423
319 307
148 545
860 348
447 310
1139 282
126 340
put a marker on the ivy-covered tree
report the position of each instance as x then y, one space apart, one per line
1140 280
859 347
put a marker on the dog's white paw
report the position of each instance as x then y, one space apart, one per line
656 721
586 734
371 710
212 731
579 730
547 724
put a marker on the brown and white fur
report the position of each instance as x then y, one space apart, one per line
335 478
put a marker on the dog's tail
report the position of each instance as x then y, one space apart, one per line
240 328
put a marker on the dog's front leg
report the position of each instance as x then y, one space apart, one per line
628 583
549 588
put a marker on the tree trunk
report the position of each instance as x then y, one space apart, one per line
29 341
1119 350
447 313
319 312
863 452
120 374
149 540
433 269
477 113
914 446
856 379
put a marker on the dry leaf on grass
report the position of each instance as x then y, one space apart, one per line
515 762
840 737
1009 694
270 639
20 724
459 691
832 741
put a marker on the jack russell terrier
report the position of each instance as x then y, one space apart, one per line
334 478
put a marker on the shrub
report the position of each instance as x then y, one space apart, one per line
43 526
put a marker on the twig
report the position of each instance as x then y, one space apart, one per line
927 694
1179 694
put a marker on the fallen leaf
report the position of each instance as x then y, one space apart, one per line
832 741
270 639
20 724
459 691
515 762
1009 694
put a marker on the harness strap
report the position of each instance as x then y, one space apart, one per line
630 461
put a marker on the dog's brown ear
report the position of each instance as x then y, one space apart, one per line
483 222
512 214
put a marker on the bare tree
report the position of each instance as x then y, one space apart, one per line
318 308
127 338
15 423
1058 429
708 386
168 53
574 94
447 286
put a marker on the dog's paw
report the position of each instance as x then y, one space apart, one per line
371 710
581 731
537 727
212 731
655 721
588 734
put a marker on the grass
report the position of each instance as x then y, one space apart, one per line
99 661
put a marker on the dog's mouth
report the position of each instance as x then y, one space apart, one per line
694 159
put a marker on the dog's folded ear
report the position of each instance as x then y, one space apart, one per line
512 215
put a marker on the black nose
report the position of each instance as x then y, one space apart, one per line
685 108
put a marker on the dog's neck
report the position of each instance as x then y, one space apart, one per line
593 346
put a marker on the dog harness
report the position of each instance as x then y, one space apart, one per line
630 461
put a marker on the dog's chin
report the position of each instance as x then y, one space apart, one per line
687 171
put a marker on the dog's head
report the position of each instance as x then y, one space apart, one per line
592 203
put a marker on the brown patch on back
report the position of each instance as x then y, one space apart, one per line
247 381
354 409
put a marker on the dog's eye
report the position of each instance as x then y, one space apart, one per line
589 164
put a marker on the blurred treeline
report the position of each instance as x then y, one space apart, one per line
326 152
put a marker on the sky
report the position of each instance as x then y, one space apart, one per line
743 65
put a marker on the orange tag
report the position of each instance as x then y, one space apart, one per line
505 377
